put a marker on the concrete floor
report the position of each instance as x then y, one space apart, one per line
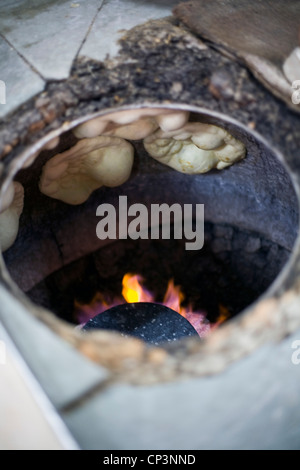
39 40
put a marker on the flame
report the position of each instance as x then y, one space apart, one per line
174 297
98 304
134 291
224 314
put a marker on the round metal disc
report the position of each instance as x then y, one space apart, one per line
153 323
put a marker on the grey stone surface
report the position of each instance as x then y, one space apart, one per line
63 373
245 407
21 82
45 37
223 231
116 16
48 34
253 244
221 244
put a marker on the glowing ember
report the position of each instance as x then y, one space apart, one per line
133 291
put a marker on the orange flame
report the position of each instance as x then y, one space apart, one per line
133 291
224 314
174 297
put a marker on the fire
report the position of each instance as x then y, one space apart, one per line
134 291
174 297
224 314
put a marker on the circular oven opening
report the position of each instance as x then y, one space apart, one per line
249 228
